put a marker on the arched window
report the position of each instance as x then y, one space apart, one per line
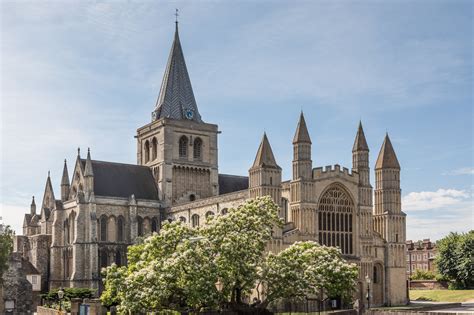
284 203
209 214
154 225
192 197
118 258
140 226
154 147
147 151
103 228
182 219
183 147
224 211
197 151
120 229
375 275
103 259
335 218
66 232
195 220
72 217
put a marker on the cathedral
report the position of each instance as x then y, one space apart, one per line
102 207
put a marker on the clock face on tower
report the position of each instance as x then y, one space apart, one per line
189 113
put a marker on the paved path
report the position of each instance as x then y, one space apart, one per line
465 308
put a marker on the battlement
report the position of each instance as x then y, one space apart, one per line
333 171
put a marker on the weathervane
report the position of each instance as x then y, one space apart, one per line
176 14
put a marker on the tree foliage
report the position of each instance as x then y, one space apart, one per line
305 269
6 247
455 259
180 267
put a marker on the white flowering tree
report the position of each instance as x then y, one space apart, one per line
304 269
206 268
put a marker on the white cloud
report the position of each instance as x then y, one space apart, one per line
426 200
461 171
433 214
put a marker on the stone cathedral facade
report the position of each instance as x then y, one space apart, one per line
102 207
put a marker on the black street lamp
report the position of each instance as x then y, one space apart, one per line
60 296
367 280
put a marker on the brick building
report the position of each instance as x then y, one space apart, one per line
420 255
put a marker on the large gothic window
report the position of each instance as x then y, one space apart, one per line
103 259
183 147
335 219
103 228
197 151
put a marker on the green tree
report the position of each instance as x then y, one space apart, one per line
6 247
306 268
455 259
182 268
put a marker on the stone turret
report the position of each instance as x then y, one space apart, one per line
65 186
265 174
302 163
390 221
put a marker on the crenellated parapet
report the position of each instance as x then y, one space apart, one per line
332 171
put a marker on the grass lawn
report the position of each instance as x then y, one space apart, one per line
442 295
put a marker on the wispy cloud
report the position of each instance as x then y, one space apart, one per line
461 171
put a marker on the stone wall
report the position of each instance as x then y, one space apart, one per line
16 287
428 285
41 310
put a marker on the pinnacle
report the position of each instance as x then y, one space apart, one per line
301 134
265 155
387 157
360 143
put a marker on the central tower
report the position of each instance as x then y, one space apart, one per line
177 145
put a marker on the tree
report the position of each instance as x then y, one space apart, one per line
180 267
455 259
6 247
306 268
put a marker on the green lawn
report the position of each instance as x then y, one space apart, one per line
442 295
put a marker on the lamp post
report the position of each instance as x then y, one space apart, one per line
60 296
367 280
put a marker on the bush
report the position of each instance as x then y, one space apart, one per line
423 275
51 298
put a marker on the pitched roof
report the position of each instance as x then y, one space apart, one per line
265 155
231 183
176 98
360 144
387 157
123 180
301 134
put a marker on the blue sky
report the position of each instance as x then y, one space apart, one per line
88 73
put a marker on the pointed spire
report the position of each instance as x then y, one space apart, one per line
78 152
387 157
88 169
33 206
301 134
265 155
65 179
360 144
176 99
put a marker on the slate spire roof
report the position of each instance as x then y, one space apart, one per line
387 157
265 155
176 98
301 134
360 144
